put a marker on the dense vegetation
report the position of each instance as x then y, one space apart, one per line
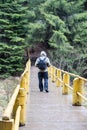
13 33
60 25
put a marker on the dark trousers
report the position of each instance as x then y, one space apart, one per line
43 76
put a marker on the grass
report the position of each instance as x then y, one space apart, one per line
7 87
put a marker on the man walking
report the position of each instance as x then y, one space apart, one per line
42 63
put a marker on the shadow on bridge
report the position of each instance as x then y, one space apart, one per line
52 111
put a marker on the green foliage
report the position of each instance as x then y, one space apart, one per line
33 36
66 23
61 25
13 21
58 39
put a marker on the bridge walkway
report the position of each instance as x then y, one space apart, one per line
52 111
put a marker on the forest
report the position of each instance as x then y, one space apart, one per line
58 25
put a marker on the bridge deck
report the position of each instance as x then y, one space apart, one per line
52 111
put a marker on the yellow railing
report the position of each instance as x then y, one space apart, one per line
62 78
15 113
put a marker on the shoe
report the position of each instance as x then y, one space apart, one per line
46 91
41 90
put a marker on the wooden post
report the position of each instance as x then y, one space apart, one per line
22 100
77 87
53 74
27 81
58 82
22 103
29 65
23 82
7 124
17 118
66 80
49 71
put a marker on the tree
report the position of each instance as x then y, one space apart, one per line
13 35
77 24
60 25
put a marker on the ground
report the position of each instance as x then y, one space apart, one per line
6 89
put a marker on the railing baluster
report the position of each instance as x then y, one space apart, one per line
58 82
66 80
77 87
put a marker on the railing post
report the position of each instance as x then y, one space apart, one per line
27 70
49 71
53 74
66 81
29 66
55 69
22 103
22 100
58 82
7 124
77 87
17 118
27 81
23 82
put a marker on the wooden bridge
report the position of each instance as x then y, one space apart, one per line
52 111
47 111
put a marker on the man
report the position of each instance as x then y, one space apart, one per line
43 72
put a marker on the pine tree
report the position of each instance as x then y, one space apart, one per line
13 21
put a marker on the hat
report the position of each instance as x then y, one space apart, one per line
43 53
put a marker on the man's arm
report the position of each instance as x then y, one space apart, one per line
36 63
48 62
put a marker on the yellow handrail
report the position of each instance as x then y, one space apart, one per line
17 118
84 98
69 86
74 75
64 79
17 104
14 114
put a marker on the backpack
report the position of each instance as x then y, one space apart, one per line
42 64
